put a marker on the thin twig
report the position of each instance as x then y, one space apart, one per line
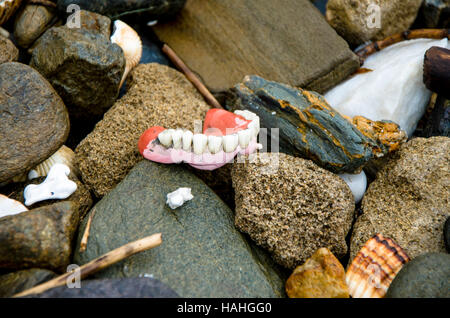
210 99
99 263
87 230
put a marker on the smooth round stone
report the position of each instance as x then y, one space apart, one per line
447 234
426 276
8 52
34 122
357 183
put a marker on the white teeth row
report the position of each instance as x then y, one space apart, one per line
183 139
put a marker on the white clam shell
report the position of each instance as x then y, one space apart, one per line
10 207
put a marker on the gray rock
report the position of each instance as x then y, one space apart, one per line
409 200
33 120
292 207
277 40
84 67
427 276
112 288
16 282
8 51
39 238
202 254
151 9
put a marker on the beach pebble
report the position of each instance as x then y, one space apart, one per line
357 183
178 197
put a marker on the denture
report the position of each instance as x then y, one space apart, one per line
225 135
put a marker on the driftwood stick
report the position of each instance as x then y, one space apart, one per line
99 263
210 99
436 71
87 230
46 3
373 47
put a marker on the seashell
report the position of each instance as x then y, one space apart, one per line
10 207
7 9
130 42
374 267
64 155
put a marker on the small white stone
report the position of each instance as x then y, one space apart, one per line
179 197
357 184
56 186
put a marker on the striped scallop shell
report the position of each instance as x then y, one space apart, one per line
374 267
7 9
64 155
130 42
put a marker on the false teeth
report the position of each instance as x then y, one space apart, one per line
230 142
199 142
187 140
165 137
244 137
177 137
214 144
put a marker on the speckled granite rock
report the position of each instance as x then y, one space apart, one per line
427 276
308 126
151 9
322 276
33 120
157 96
202 254
277 40
83 66
16 282
81 198
8 52
355 21
39 238
292 207
409 200
135 287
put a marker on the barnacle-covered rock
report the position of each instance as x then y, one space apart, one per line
308 126
374 267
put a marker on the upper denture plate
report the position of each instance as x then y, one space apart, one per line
230 142
165 137
177 137
244 137
187 140
246 114
214 144
199 141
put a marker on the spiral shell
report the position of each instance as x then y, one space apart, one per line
130 42
374 267
64 155
10 207
7 9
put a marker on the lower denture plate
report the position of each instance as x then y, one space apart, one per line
177 137
214 144
187 140
165 137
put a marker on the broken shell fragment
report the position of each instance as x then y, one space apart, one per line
179 197
374 267
130 42
10 207
63 155
7 9
56 186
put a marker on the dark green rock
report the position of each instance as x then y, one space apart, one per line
426 276
16 282
308 126
84 67
150 9
33 120
439 122
435 14
202 254
39 238
112 288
